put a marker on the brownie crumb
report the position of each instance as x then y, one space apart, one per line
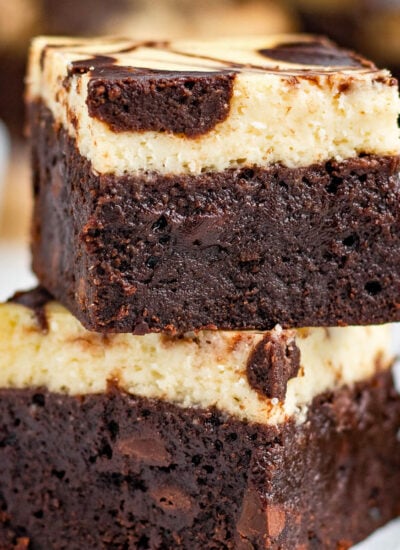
274 361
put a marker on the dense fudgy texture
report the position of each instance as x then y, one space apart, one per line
10 539
249 248
133 100
116 471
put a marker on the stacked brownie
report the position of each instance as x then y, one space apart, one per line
197 204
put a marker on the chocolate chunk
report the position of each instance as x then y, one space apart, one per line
35 299
276 519
151 451
252 521
274 361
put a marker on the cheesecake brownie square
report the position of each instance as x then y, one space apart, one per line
156 441
234 184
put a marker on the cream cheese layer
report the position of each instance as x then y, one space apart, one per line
207 369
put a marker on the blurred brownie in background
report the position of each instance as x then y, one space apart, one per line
369 26
22 19
18 22
380 32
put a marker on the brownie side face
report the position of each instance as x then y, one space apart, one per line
239 249
117 471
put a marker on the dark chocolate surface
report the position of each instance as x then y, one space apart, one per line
114 471
242 249
313 53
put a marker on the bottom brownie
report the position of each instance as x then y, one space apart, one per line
115 471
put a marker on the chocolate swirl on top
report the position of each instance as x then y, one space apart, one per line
133 99
316 53
35 299
191 101
93 64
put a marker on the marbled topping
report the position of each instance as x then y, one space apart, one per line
197 106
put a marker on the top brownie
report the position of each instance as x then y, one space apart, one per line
231 184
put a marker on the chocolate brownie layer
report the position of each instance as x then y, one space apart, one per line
249 248
117 471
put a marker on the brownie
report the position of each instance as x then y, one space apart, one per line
246 248
117 471
189 185
198 190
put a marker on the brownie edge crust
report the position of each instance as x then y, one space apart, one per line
117 471
240 249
